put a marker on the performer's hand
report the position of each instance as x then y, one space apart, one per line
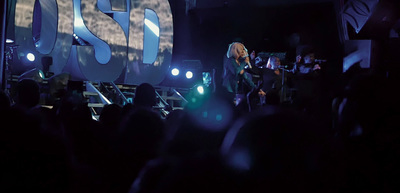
317 67
298 59
247 60
253 55
261 93
242 72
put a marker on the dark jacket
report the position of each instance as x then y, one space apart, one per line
232 80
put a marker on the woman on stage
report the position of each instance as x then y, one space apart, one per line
236 82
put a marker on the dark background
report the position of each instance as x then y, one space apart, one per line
203 32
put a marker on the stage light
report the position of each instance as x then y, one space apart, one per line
30 57
185 75
175 71
200 89
189 74
197 95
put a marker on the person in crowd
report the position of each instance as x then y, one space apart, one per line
189 160
145 96
367 134
27 94
139 139
31 158
110 116
276 150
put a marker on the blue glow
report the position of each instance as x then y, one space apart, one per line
175 71
200 89
41 74
240 159
30 57
189 74
212 114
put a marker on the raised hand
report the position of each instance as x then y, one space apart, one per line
298 59
253 55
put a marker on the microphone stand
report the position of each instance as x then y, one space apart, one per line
283 90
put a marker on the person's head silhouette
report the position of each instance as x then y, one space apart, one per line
145 95
28 93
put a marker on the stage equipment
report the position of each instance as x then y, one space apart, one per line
58 84
185 75
35 74
207 78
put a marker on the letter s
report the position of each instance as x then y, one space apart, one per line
105 60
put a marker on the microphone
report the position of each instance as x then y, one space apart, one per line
320 60
284 68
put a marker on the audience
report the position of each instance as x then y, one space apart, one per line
111 116
145 96
276 150
139 140
205 148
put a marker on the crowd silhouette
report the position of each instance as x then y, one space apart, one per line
134 149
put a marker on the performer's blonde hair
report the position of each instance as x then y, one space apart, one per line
235 50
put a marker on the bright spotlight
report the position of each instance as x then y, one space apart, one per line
189 74
200 89
175 71
30 57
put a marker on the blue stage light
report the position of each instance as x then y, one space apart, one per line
189 74
200 89
175 71
30 57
